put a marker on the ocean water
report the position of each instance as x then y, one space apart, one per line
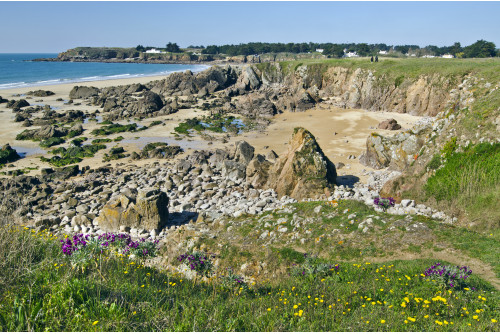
17 70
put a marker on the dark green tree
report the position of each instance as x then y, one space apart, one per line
173 47
480 49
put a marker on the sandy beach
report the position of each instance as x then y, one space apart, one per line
340 132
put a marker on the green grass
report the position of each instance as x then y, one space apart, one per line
469 180
42 292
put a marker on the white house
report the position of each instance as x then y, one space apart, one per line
447 56
154 51
350 54
428 56
382 52
320 50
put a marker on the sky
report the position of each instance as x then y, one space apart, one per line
58 26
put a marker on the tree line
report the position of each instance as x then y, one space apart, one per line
479 49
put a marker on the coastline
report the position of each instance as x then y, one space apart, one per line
65 88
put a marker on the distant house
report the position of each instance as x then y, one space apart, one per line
382 52
428 56
320 50
447 56
153 51
350 54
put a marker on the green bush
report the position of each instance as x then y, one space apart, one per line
435 162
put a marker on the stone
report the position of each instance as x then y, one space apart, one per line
149 211
233 170
389 124
303 171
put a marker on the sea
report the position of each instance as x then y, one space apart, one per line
17 70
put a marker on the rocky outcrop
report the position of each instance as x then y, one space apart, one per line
83 92
396 152
147 210
303 171
255 106
42 133
187 83
41 93
16 105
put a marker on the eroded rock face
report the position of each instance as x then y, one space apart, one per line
396 152
148 211
303 171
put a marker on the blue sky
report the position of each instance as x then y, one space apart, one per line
57 26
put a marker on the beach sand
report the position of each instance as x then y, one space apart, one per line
339 132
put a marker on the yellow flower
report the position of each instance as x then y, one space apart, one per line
295 306
475 317
382 321
446 322
406 321
493 320
125 272
95 323
403 304
269 310
439 323
426 316
300 313
411 319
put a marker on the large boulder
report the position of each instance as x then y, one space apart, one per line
243 152
303 171
148 211
83 92
389 124
8 154
149 103
233 170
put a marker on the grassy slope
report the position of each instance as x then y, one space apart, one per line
40 290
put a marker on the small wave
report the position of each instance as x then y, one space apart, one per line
13 85
48 81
